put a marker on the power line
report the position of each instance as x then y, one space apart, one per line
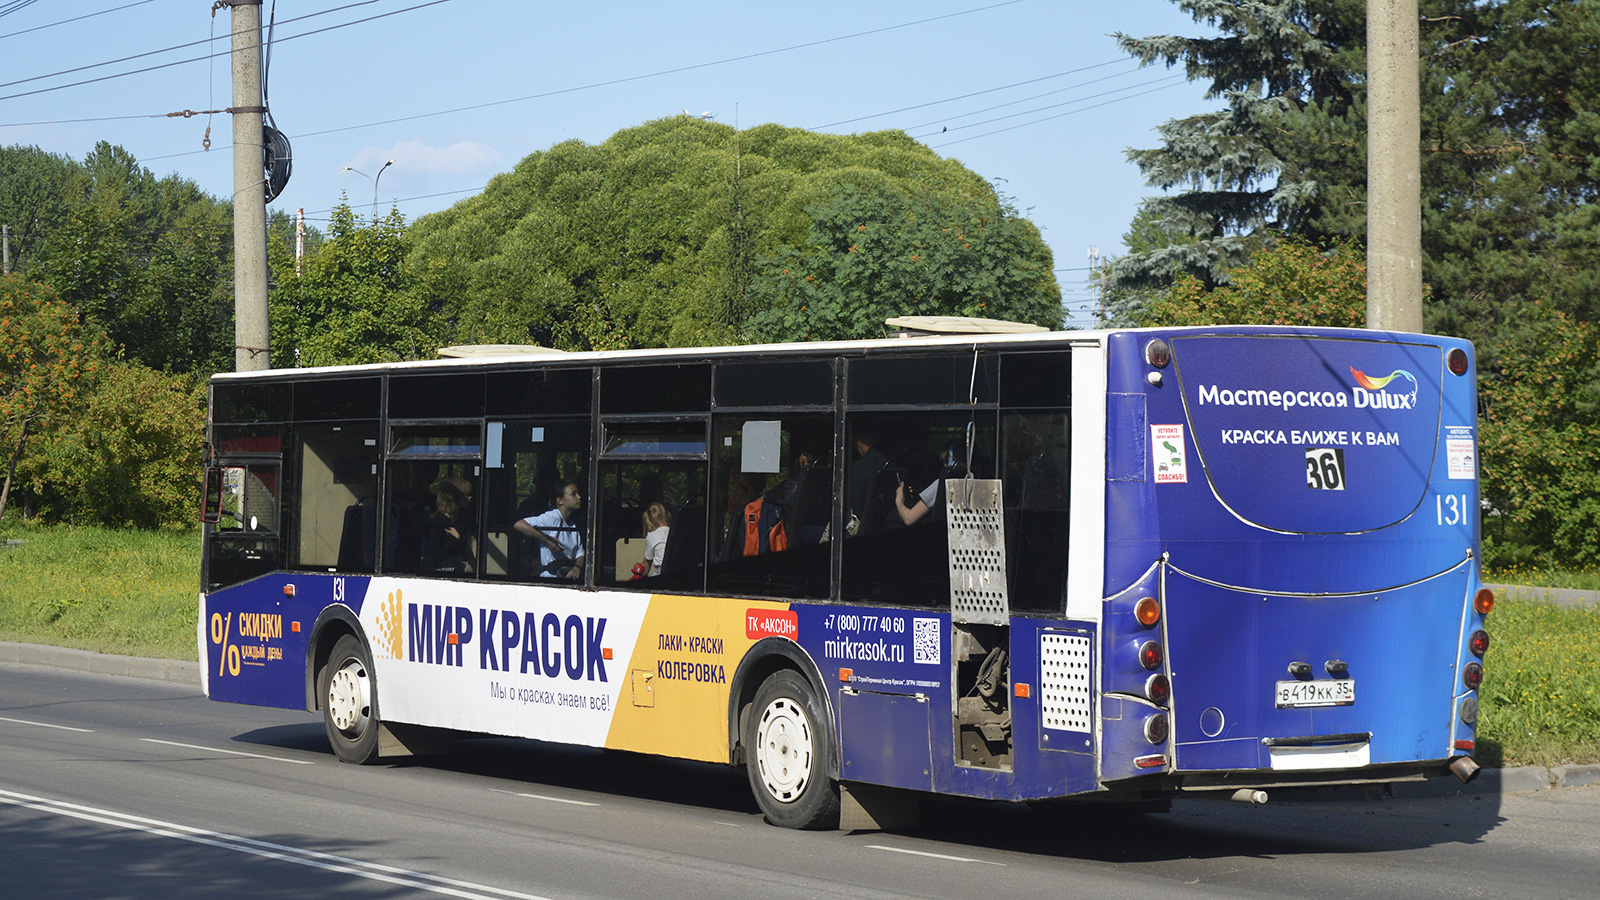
7 9
973 94
228 52
493 103
977 112
673 71
1170 79
74 19
209 40
1070 112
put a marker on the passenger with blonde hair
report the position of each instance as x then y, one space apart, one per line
657 524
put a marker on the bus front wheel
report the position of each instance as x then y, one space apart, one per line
349 696
789 744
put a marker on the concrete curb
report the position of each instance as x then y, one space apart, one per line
170 670
1558 596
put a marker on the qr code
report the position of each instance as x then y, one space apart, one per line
925 641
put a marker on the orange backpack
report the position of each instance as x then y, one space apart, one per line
763 528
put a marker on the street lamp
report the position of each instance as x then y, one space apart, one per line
374 180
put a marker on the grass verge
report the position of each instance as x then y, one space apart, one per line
1539 576
1540 700
132 593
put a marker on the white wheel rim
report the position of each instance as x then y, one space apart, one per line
350 698
783 750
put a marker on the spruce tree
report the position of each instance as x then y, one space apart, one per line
1284 155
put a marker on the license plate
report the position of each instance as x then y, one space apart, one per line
1294 694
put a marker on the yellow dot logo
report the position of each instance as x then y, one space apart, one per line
391 631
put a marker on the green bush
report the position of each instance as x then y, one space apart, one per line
130 458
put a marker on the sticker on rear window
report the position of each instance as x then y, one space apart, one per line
1167 454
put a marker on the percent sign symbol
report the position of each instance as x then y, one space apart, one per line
221 630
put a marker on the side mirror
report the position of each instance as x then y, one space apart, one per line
211 502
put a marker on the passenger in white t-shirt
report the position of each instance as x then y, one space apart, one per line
560 539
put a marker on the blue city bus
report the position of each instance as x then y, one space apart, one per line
1052 567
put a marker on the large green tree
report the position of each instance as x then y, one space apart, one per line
145 258
37 191
48 363
676 232
868 256
355 300
1280 155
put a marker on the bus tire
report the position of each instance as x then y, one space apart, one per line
789 743
349 697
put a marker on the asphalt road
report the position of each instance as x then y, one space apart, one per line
116 787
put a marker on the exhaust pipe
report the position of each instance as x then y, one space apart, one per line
1252 797
1464 768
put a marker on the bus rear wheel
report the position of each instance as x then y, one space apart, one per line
349 696
789 744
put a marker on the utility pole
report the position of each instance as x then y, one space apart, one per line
1097 278
250 335
5 249
1394 168
299 239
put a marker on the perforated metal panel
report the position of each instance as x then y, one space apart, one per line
977 531
1066 681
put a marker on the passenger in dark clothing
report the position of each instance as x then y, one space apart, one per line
865 503
803 496
450 538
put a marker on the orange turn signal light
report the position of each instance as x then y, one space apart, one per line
1022 690
846 674
1147 611
1483 601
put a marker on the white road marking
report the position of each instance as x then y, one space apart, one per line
298 762
48 725
545 797
314 859
934 855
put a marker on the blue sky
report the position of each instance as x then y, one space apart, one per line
1032 94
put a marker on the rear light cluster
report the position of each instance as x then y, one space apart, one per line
1156 729
1477 643
1150 655
1157 688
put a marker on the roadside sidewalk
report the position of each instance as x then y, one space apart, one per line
1489 781
172 670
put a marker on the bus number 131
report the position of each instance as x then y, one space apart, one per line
1451 509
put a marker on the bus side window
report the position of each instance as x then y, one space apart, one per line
526 462
896 550
772 504
337 479
1035 451
652 495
